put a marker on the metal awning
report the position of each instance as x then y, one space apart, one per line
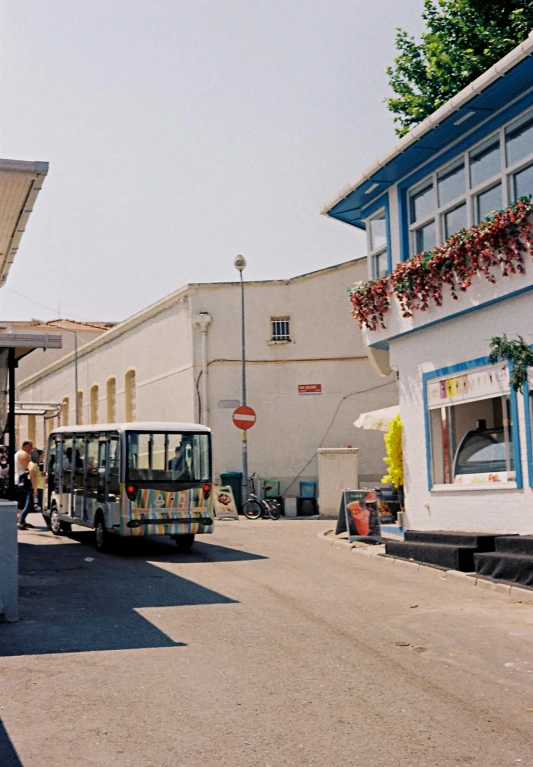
378 420
37 408
20 183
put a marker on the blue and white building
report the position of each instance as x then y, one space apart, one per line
468 452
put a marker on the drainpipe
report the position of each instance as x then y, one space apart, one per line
203 320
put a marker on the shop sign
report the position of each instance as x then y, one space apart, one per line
224 502
359 515
478 384
309 388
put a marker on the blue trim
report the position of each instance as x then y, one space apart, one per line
427 429
450 154
516 434
527 420
461 366
461 313
375 205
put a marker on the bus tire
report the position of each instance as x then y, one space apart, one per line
101 536
184 542
56 525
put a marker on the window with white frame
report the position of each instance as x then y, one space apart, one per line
488 177
471 431
377 245
280 329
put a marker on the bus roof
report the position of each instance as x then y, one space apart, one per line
170 426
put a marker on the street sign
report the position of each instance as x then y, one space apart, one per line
309 388
244 417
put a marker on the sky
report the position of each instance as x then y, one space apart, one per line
181 133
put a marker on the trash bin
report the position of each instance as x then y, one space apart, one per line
234 480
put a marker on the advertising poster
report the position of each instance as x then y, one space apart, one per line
224 502
359 515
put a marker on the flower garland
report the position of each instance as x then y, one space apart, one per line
499 242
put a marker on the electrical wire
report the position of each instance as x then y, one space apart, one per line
346 396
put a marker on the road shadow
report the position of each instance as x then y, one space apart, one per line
8 754
74 599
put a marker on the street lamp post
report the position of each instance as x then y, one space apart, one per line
240 265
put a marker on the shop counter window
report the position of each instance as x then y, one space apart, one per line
470 428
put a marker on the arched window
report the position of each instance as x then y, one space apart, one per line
32 428
130 396
111 400
64 411
94 404
80 407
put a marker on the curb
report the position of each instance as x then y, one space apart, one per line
514 592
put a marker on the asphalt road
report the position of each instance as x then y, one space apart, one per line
262 646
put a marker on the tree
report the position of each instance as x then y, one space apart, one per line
462 39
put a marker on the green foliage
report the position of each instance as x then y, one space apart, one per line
517 352
462 39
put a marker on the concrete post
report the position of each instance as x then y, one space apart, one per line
9 600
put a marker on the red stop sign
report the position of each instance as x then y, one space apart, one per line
244 417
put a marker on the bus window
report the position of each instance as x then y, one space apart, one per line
79 451
114 474
92 462
67 463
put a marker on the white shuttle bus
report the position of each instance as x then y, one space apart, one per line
129 480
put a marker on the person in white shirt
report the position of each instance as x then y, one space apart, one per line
22 459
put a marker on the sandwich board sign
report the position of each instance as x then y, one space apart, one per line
224 502
359 516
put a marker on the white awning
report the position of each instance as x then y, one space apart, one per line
20 183
377 419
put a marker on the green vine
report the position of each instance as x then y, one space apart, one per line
518 352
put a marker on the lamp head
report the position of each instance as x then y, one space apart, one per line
240 263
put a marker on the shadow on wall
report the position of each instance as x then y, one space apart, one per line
73 599
8 755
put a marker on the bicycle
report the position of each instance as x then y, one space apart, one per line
255 507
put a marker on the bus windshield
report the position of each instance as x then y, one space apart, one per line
167 457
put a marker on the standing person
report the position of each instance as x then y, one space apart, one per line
22 459
4 475
34 494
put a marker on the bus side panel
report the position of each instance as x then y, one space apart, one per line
157 504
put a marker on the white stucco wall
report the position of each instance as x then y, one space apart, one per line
163 346
455 341
326 349
158 349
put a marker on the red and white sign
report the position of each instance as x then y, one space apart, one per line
309 388
244 417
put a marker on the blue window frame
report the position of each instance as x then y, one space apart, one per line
378 238
474 433
483 172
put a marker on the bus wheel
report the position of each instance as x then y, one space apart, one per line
184 542
56 525
101 536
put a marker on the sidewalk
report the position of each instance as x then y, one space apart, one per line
377 551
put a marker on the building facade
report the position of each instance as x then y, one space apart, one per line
448 218
308 374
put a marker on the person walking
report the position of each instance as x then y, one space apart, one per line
22 460
34 494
